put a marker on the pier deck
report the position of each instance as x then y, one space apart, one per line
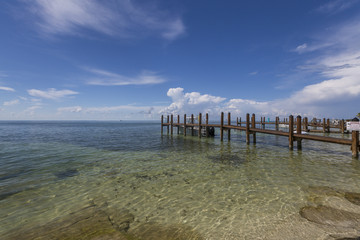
297 130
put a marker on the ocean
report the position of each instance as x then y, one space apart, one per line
124 180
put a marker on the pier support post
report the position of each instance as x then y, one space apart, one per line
200 118
229 123
192 126
355 144
247 128
171 124
342 126
240 122
324 125
306 124
253 125
178 127
162 124
298 131
168 123
291 132
207 122
221 126
185 125
328 125
277 123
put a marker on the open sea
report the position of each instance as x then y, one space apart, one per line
124 180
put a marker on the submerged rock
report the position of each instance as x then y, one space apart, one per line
67 173
353 197
155 231
89 223
331 216
121 220
8 194
228 159
323 190
356 238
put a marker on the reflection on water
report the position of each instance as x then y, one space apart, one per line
133 183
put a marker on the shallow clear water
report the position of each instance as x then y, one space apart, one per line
222 190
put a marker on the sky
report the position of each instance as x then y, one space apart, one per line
139 59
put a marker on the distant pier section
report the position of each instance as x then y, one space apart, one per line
295 129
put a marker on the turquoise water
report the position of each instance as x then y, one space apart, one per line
221 190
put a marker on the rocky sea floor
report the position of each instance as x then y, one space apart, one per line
333 214
117 186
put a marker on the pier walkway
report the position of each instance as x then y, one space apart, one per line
298 129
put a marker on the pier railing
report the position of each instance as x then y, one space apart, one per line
298 129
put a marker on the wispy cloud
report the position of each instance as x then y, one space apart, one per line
337 61
111 112
7 89
31 110
301 48
336 6
74 109
51 93
106 78
10 103
119 18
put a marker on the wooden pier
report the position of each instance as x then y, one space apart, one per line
298 129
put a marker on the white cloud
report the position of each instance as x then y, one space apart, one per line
51 93
75 109
10 103
31 110
105 78
120 18
110 112
301 48
7 89
192 102
336 6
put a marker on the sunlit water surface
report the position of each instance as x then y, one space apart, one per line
222 190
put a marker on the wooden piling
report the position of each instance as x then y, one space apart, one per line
207 122
162 124
240 122
184 125
277 123
298 131
253 125
342 126
221 126
355 144
229 123
178 126
291 132
306 124
171 124
200 125
324 125
192 126
167 124
247 128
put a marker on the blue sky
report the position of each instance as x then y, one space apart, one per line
123 59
